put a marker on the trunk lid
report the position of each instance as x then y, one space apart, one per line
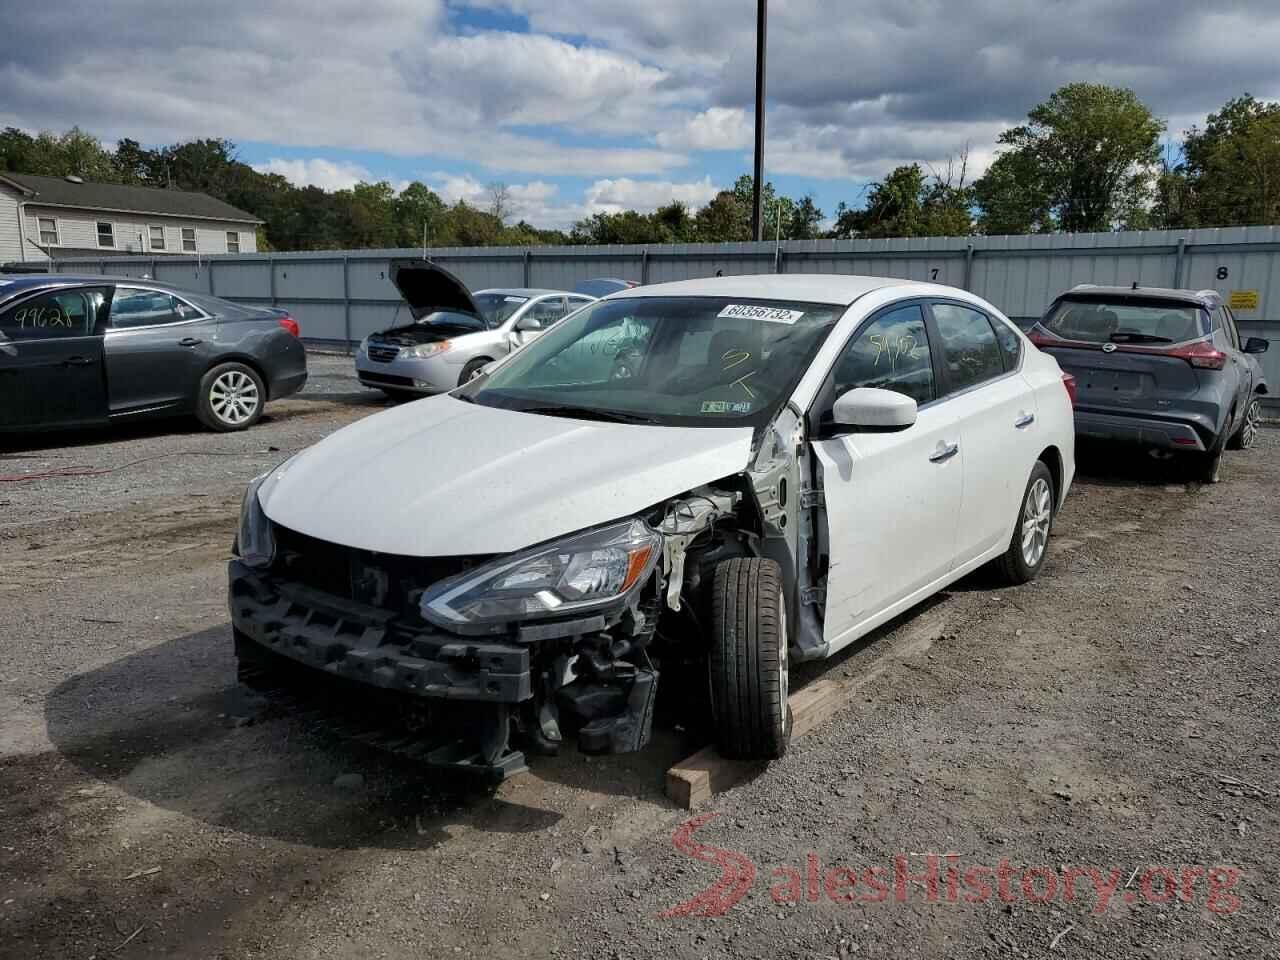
1125 377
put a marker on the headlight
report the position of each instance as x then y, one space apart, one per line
424 350
255 544
582 572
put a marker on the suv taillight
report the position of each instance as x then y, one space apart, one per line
289 324
1040 338
1069 382
1199 354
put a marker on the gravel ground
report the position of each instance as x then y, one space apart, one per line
1120 715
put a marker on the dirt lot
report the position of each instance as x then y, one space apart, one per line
1118 715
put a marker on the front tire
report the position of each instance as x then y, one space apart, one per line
232 397
1030 542
472 369
749 671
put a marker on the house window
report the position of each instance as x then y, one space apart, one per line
189 239
157 238
106 234
48 231
233 242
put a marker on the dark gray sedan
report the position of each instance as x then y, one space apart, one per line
83 351
1162 368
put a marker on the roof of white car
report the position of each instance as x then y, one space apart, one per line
805 287
529 292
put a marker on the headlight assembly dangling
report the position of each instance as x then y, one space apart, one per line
424 350
584 572
255 544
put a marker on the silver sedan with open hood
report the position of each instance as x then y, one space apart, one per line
454 333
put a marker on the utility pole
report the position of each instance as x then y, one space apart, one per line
757 209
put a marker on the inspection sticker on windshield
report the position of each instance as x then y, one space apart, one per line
726 406
749 311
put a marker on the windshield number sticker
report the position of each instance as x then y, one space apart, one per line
726 406
747 311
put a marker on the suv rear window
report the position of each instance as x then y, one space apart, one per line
1125 320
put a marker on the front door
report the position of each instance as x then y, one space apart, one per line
157 348
892 499
51 360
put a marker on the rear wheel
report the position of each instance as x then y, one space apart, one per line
1030 542
232 396
1247 435
749 671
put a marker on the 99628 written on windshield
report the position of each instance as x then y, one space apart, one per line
750 311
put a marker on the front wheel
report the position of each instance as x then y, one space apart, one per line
749 675
232 396
1030 542
473 369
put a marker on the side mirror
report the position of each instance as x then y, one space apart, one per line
872 410
529 325
1256 345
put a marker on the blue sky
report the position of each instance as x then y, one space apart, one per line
607 104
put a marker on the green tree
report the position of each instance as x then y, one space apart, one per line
418 211
1232 166
805 222
1091 150
723 220
1012 198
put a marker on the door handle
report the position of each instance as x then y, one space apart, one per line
944 452
190 342
1026 420
77 362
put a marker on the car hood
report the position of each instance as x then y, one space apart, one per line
442 477
427 288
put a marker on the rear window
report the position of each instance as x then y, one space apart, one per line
1125 320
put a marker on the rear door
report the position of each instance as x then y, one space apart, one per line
158 346
995 410
51 359
1238 362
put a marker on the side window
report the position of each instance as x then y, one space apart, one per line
147 308
188 239
106 234
157 237
891 353
577 303
969 348
548 311
70 313
1010 343
1229 324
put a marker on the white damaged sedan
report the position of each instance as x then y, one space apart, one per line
699 482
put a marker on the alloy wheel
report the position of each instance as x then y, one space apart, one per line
1252 417
1037 511
234 397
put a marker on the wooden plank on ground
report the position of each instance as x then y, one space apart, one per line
696 779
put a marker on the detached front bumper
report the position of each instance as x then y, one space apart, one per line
346 639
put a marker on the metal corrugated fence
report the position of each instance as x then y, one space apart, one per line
343 296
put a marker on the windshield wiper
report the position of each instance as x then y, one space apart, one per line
589 413
1127 336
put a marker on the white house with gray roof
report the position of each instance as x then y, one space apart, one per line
44 218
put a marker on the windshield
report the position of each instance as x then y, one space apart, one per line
447 318
1125 320
497 308
689 361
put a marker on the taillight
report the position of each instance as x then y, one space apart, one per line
289 324
1069 382
1199 354
1038 336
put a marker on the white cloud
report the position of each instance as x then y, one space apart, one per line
612 196
317 172
719 128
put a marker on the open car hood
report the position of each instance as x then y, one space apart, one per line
427 288
442 477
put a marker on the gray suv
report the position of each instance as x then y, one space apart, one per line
1158 367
